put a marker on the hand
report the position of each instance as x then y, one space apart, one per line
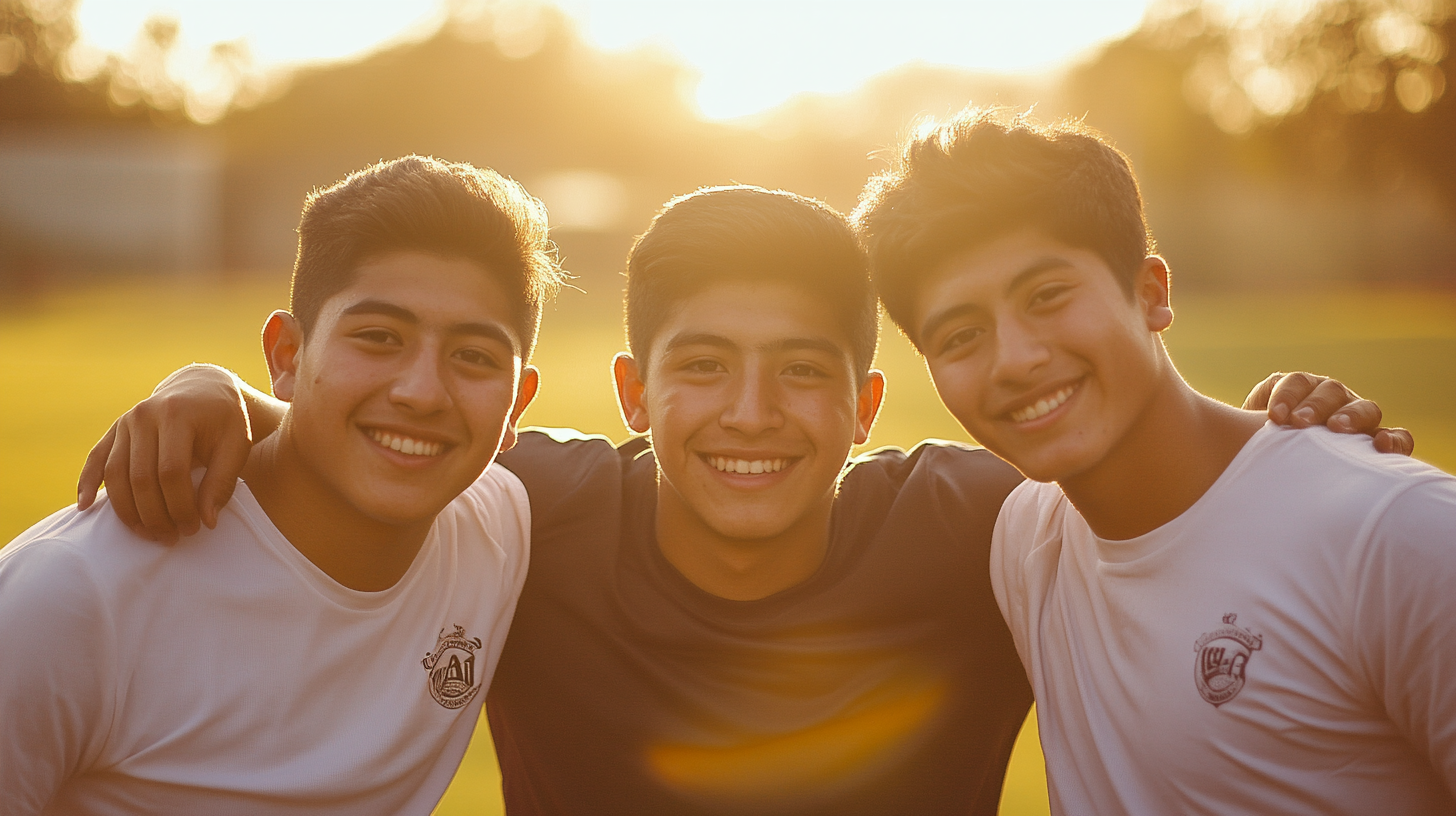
196 416
1302 400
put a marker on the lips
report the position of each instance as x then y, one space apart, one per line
727 464
407 445
1045 405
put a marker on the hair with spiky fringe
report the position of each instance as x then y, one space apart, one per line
422 204
744 233
984 174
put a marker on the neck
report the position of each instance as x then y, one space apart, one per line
358 552
740 569
1170 456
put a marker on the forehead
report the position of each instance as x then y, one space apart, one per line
753 314
435 289
995 270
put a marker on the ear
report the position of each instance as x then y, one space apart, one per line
282 341
871 395
525 392
1152 289
631 393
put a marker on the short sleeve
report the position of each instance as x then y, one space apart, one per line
56 697
1015 532
1405 619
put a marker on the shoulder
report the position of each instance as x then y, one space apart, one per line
1413 536
56 578
942 489
950 471
1350 455
496 504
559 459
1031 517
73 542
1337 477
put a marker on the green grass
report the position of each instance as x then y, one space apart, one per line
75 360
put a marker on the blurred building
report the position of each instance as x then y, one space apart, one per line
109 200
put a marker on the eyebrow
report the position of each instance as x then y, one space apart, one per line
1031 270
490 331
787 344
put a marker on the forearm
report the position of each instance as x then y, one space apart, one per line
262 412
265 413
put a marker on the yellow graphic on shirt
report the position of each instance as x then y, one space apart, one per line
852 746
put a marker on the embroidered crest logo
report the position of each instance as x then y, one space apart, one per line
1223 655
452 668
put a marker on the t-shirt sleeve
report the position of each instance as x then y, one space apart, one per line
56 663
1015 532
1405 619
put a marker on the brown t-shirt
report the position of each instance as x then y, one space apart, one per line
885 683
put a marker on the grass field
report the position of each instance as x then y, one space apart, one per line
75 360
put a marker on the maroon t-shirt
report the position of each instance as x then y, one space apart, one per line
885 683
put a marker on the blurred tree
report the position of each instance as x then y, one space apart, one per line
1348 91
34 38
47 76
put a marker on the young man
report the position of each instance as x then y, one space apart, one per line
730 621
1217 615
325 648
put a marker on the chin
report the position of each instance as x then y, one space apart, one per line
747 529
396 513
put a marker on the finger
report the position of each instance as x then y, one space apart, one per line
1290 400
146 490
1327 397
1361 416
221 478
117 473
174 476
94 471
1395 440
1258 399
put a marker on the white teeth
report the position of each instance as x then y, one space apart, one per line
727 465
1043 406
406 445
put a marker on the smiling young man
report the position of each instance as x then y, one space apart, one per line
275 665
1217 615
730 620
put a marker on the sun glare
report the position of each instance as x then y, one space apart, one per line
754 55
749 55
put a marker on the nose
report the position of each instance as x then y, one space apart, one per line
419 385
753 406
1020 353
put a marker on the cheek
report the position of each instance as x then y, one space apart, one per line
489 405
675 410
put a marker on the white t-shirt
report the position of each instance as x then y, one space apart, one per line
1286 645
229 675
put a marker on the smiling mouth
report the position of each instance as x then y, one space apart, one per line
725 464
404 444
1042 407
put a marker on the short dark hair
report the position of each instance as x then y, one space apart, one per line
740 232
426 205
986 173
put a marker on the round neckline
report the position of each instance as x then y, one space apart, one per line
320 582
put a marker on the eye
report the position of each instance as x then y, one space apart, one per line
961 337
377 337
703 365
804 370
477 357
1048 295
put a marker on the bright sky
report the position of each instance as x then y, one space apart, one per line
749 53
